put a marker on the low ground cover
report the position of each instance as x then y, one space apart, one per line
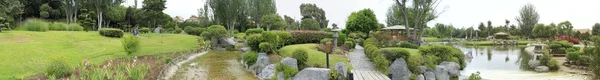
26 53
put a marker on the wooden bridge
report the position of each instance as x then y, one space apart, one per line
367 75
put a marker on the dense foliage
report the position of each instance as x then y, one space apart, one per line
34 25
300 37
58 68
309 24
253 41
250 57
254 31
216 31
439 53
302 57
362 21
111 32
131 44
393 53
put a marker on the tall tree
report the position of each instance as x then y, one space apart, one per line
506 25
259 8
482 29
152 9
596 29
490 28
422 11
528 17
70 7
101 6
362 21
9 11
272 19
291 23
309 24
565 28
227 12
309 10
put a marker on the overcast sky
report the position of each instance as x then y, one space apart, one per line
460 13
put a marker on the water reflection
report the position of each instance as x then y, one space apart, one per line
494 62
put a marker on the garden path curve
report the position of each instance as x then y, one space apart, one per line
363 66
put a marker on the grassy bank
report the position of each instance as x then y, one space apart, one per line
27 53
315 57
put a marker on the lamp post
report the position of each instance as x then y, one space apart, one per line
335 36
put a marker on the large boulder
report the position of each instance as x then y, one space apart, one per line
268 72
429 75
542 69
280 76
312 74
422 69
452 67
341 70
533 63
399 70
245 49
420 77
261 62
290 62
441 73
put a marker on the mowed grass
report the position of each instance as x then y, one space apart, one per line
25 53
315 57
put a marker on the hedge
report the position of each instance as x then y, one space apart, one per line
34 25
408 45
144 30
111 32
253 41
393 53
301 37
445 53
254 31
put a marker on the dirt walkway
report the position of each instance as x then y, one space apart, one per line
172 69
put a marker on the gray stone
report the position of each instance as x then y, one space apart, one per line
441 73
261 62
533 63
542 69
290 62
245 49
422 69
312 74
268 72
429 75
452 67
399 70
342 70
420 77
280 76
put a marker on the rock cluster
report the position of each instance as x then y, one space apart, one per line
444 71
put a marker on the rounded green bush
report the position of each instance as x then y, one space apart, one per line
188 29
34 25
75 27
111 32
302 57
301 37
349 43
408 45
253 41
381 63
325 40
216 31
250 57
58 68
177 30
573 56
131 44
265 47
445 53
254 31
270 37
393 53
144 30
284 36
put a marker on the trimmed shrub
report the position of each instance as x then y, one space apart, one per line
34 25
188 29
475 76
288 71
393 53
408 45
217 31
265 47
341 38
58 26
284 37
445 53
145 30
325 40
350 44
301 56
177 30
250 57
270 37
131 44
381 63
111 32
573 56
253 41
301 37
58 68
75 27
254 31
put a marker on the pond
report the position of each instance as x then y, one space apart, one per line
504 63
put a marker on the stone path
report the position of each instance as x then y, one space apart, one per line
359 60
363 67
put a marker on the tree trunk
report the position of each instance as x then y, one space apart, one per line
99 20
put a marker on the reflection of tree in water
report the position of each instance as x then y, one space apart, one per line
489 54
523 60
469 56
507 59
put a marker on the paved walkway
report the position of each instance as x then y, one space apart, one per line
363 67
359 60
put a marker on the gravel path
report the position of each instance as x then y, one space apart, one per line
359 60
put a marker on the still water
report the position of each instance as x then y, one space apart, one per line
504 63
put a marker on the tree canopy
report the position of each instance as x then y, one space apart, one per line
309 24
527 19
272 19
309 10
362 21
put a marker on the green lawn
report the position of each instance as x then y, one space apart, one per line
315 57
27 53
432 39
519 42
